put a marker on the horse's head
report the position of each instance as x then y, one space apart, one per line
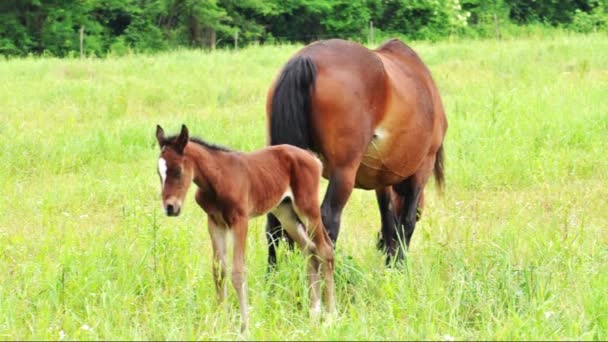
174 169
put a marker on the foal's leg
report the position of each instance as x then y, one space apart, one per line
286 214
325 253
218 240
340 187
307 209
239 277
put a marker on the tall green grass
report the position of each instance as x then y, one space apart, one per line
516 249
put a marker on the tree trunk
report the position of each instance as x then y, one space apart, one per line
196 32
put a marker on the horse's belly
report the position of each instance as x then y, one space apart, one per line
369 178
374 173
386 162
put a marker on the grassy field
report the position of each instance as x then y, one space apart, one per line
517 248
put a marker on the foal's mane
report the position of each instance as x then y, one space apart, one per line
202 143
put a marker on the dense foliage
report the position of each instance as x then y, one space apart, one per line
53 26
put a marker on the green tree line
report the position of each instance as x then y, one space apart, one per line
53 26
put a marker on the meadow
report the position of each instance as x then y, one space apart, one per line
516 248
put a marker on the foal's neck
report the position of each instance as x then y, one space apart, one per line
206 164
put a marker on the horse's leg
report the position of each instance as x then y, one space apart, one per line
411 191
273 235
387 219
239 277
218 241
420 206
341 184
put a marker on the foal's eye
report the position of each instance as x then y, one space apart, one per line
175 172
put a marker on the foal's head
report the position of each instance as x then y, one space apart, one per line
174 169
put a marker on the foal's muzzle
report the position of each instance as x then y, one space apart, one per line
171 210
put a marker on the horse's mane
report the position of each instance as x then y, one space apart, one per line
203 143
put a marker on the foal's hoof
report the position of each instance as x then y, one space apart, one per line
315 314
244 330
330 318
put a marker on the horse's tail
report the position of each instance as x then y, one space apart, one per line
291 104
438 169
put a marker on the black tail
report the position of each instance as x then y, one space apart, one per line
438 169
290 113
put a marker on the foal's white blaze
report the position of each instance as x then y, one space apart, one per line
162 170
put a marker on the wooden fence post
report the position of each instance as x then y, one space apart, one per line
496 28
81 41
212 39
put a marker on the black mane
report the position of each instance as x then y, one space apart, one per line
202 143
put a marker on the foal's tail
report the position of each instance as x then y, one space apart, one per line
291 104
438 169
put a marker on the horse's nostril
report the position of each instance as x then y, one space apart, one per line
170 210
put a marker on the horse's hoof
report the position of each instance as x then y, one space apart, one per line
380 245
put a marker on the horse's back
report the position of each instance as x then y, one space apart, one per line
378 109
283 161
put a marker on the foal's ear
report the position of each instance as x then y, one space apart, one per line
160 136
182 139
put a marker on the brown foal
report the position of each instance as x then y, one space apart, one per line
235 186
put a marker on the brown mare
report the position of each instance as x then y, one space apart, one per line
235 186
376 120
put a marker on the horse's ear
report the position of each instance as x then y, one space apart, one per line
182 139
160 136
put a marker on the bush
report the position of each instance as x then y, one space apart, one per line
589 22
424 19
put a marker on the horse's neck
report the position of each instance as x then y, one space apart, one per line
207 169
